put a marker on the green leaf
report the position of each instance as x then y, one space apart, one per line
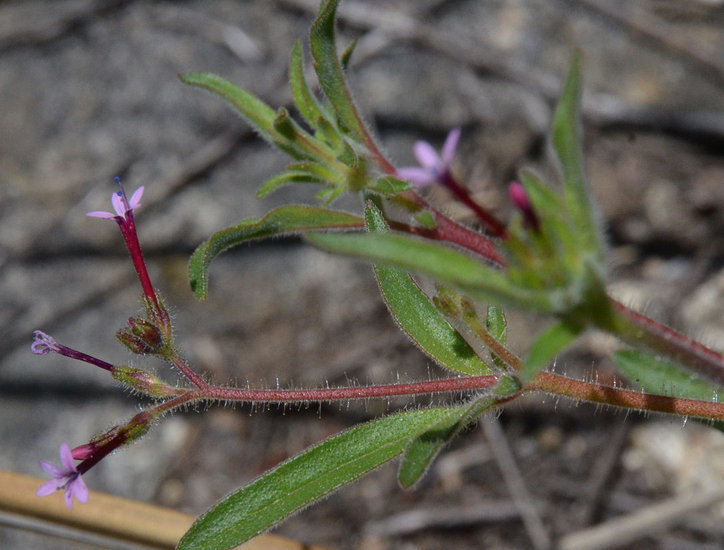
305 101
306 478
417 315
423 449
496 323
254 110
547 346
497 326
281 221
346 56
390 186
445 264
567 142
329 71
285 178
659 376
276 127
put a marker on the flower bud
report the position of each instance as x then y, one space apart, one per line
143 382
141 337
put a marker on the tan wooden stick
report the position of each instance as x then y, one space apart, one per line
109 516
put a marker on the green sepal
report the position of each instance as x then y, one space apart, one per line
281 221
549 344
306 478
418 316
661 377
423 450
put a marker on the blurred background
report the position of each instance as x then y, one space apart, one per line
88 91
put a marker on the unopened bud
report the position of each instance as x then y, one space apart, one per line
143 381
520 198
141 336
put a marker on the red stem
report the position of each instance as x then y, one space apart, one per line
495 226
577 389
344 393
696 356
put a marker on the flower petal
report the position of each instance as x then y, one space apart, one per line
68 496
66 458
426 156
451 144
49 487
52 469
417 176
79 489
100 214
119 204
135 201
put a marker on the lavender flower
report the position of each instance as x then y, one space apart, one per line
44 344
68 477
434 168
121 205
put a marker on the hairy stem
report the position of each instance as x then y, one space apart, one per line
598 393
637 329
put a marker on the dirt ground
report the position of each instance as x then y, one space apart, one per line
88 91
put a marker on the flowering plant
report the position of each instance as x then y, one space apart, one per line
549 259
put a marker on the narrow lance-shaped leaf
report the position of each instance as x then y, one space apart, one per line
306 102
329 70
421 452
417 315
275 127
253 109
567 141
444 264
547 346
286 178
306 478
283 220
497 326
659 376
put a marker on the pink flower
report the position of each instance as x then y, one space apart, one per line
68 478
521 200
121 205
434 168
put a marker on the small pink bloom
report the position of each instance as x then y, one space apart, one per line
120 205
433 168
66 477
522 202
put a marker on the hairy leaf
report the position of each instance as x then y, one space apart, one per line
547 346
423 449
659 376
306 478
329 71
444 264
418 317
306 102
567 141
281 221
